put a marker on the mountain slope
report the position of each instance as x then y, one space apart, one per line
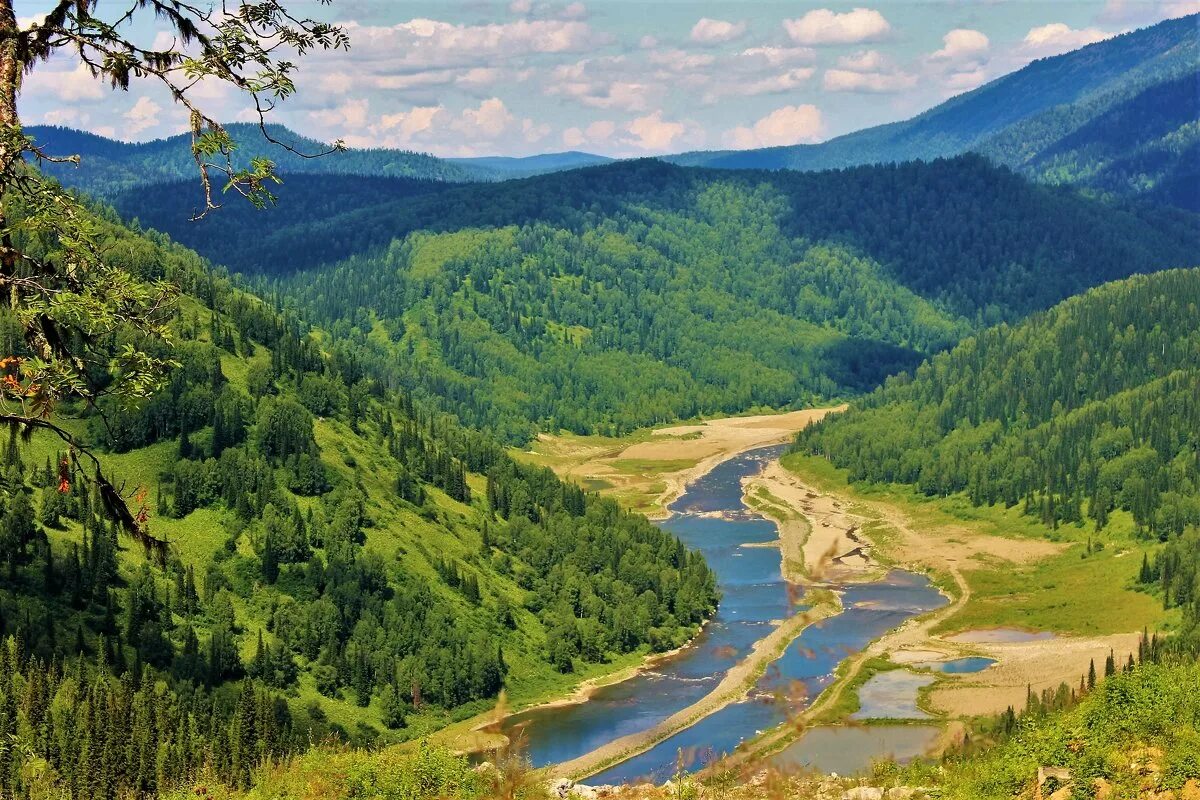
342 563
1027 118
1077 413
503 167
108 167
613 297
1147 143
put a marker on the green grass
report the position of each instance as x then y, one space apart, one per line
1090 596
637 466
1065 593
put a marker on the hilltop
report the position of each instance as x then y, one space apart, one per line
110 167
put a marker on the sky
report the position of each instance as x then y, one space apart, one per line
615 77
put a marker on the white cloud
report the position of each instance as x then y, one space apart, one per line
598 132
957 82
489 121
411 124
350 114
624 95
520 6
429 44
961 62
784 82
844 80
479 77
783 126
143 115
533 132
25 23
780 56
70 86
573 137
574 11
1057 37
1180 8
602 83
648 42
1145 12
863 61
653 133
962 44
65 116
715 31
681 60
823 26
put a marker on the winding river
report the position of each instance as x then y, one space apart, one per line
711 517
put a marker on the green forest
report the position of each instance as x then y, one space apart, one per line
1072 413
296 588
611 298
264 529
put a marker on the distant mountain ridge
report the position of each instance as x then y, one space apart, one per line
1053 120
1119 117
109 167
526 166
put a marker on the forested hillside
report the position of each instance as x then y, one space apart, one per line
109 167
614 297
342 562
1074 413
501 167
1118 116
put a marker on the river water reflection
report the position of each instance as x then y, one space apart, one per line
710 517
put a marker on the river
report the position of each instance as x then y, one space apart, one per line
711 517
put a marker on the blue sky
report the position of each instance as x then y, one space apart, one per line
616 77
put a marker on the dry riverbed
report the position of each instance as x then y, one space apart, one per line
649 470
831 536
825 537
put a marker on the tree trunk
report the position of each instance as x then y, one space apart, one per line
10 64
11 69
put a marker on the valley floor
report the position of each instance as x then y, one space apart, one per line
830 532
988 562
648 470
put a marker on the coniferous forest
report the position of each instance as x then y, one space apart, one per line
1073 413
610 298
266 522
206 653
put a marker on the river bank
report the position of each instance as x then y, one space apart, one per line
650 470
825 538
834 556
736 685
849 534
